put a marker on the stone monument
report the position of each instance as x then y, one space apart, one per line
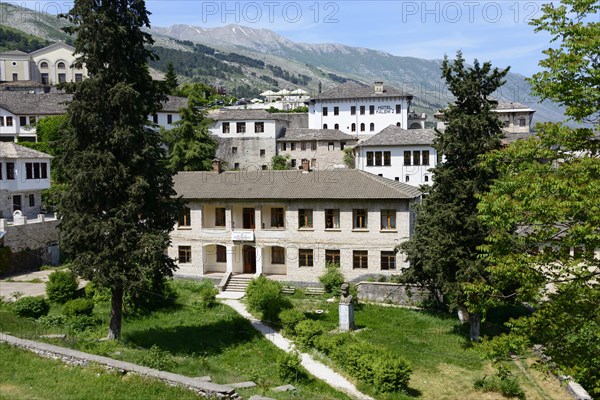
346 309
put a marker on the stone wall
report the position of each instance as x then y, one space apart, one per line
295 120
392 293
247 152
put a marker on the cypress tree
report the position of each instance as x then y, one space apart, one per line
171 82
117 210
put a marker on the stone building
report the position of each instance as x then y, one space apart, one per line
399 154
358 109
317 148
289 224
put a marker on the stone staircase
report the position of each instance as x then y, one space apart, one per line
238 283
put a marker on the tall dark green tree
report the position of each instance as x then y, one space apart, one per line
443 251
117 210
171 82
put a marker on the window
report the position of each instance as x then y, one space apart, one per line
324 126
44 79
262 152
372 127
225 127
362 127
264 167
44 64
277 255
44 170
9 121
32 120
10 170
35 170
388 219
371 110
387 158
1 121
426 178
292 146
359 218
425 157
62 78
233 150
293 163
332 218
369 158
398 108
332 257
352 110
15 76
22 121
336 111
397 179
353 127
305 218
342 145
259 127
407 158
240 127
185 254
407 178
313 146
185 218
283 146
324 111
78 77
360 259
522 122
416 157
277 217
388 260
336 126
221 254
305 257
236 165
155 118
220 216
169 119
31 200
378 158
398 124
330 146
362 110
302 146
60 65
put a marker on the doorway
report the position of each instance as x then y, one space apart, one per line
249 256
17 202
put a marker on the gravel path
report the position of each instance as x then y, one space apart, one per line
313 366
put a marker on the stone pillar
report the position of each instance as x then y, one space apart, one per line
230 258
346 317
259 261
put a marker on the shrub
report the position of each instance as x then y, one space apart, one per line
332 279
307 331
61 286
81 323
78 307
96 293
52 321
390 373
31 307
207 294
157 358
507 386
289 366
289 319
264 296
329 344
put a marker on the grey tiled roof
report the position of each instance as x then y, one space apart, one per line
351 90
394 136
290 185
13 53
510 105
13 150
21 84
305 134
225 114
174 104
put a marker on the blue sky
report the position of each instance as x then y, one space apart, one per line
496 31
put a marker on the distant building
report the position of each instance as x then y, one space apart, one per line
315 148
399 154
358 109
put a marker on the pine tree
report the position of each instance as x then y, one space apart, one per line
116 212
443 251
171 83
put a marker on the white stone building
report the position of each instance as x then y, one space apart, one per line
399 154
288 224
362 110
315 148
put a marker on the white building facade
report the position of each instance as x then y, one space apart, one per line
289 224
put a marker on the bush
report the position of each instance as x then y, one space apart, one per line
332 279
307 331
507 386
81 323
329 344
289 366
52 321
96 293
61 286
264 296
390 374
289 319
157 358
207 294
31 307
78 307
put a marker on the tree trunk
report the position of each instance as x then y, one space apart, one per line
475 328
116 313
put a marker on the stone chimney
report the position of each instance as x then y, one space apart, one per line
216 166
379 87
305 165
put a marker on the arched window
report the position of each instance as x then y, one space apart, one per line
426 178
372 127
324 126
60 65
407 178
353 127
398 124
362 127
44 65
336 126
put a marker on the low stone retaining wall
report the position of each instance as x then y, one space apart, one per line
392 293
74 357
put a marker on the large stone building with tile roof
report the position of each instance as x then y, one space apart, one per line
405 155
289 224
358 109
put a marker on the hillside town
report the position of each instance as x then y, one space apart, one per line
330 244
